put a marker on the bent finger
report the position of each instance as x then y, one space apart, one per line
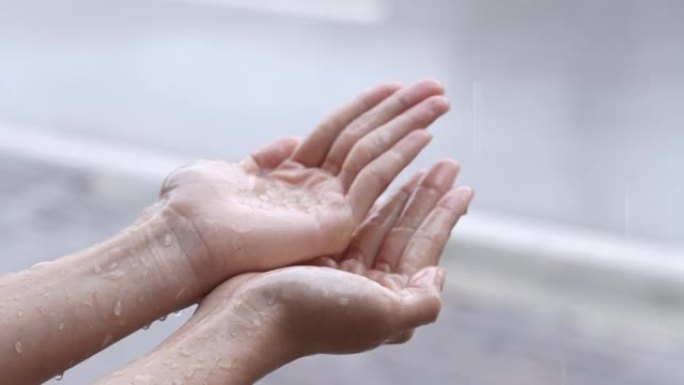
272 155
427 244
365 245
315 148
377 175
432 188
380 140
384 112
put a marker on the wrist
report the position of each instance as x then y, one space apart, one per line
214 347
178 249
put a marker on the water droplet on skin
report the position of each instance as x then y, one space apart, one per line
61 326
18 347
180 293
59 377
117 308
147 326
167 240
142 378
225 367
236 244
162 318
178 313
107 339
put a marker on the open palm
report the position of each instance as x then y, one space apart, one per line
383 286
283 204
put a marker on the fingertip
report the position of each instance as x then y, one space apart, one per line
392 85
291 142
440 104
451 162
466 192
432 83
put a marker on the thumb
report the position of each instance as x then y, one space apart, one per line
421 300
272 155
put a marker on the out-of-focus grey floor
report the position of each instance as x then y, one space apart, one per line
49 211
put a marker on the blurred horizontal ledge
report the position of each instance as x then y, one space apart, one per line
87 153
609 282
562 244
349 11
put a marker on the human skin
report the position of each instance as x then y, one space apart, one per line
347 303
215 220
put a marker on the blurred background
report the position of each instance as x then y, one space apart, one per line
568 119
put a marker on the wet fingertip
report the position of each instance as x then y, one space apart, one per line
432 83
466 192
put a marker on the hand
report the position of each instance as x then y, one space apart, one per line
284 204
383 286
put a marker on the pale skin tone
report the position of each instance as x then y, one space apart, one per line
217 220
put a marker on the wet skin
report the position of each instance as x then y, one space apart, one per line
217 219
346 303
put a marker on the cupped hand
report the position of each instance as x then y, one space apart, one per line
382 287
288 203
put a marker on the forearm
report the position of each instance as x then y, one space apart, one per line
213 350
58 313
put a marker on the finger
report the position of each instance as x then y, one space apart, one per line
375 177
380 140
434 185
314 149
271 156
376 117
426 245
420 303
365 245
